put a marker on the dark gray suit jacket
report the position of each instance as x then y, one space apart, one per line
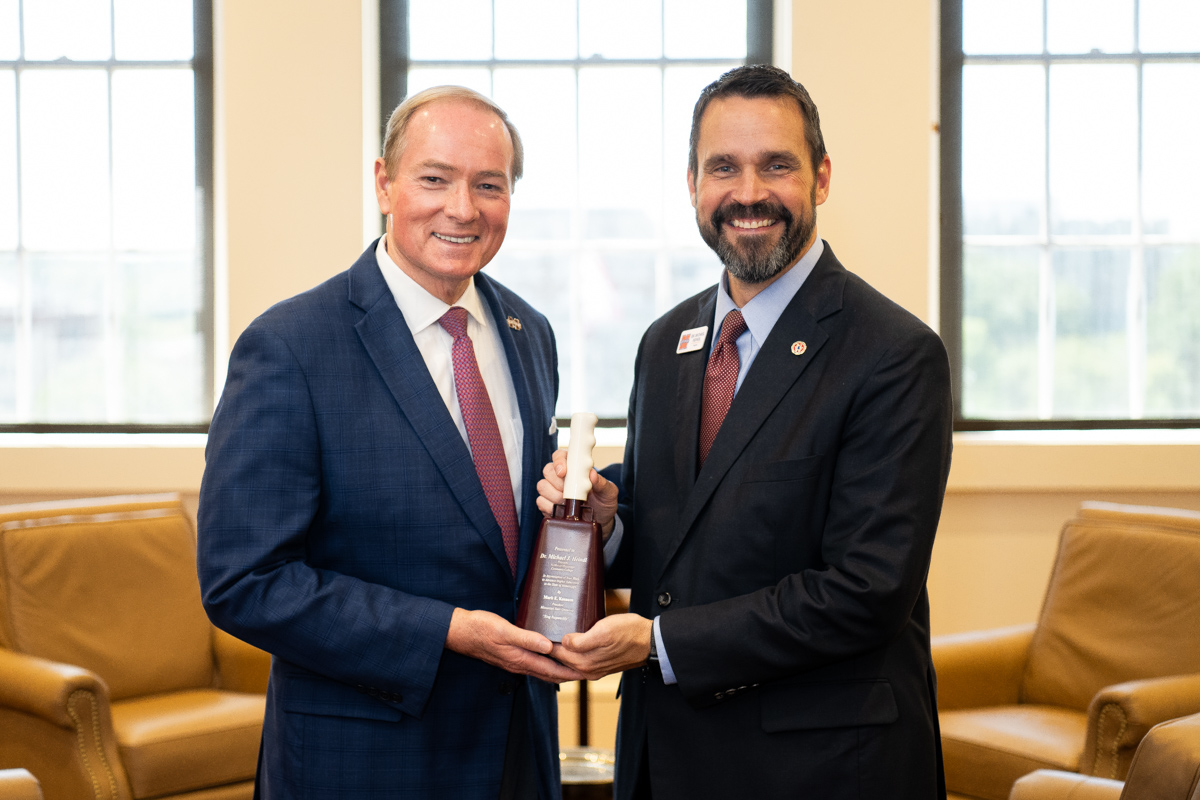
790 571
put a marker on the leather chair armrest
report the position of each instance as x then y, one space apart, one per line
1167 762
241 667
1053 784
19 784
981 668
1121 715
43 688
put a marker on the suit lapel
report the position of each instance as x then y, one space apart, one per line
688 398
390 345
775 370
518 352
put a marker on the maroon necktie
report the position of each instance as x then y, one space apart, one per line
720 379
486 448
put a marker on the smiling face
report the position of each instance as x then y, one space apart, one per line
755 190
447 203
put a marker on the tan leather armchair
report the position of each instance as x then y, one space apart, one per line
113 683
1166 766
1114 652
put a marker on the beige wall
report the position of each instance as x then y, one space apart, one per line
293 153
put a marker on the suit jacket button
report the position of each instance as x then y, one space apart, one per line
664 599
506 687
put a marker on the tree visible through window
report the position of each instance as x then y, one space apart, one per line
104 226
602 237
1076 276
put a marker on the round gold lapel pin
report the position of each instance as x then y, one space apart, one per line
798 348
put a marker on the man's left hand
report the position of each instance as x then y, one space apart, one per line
615 643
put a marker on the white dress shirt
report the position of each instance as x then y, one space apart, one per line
422 311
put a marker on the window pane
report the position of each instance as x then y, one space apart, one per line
10 288
1093 147
1169 26
10 40
619 306
77 29
620 29
1081 26
154 30
681 88
477 78
1014 26
163 345
1091 373
432 39
8 160
1003 145
1170 158
64 159
691 272
68 338
154 165
528 29
542 203
544 281
705 28
620 146
1000 332
1173 332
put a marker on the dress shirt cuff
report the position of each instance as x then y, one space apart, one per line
614 542
664 663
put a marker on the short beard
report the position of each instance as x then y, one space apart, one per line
758 262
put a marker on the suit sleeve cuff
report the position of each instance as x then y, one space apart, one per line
664 663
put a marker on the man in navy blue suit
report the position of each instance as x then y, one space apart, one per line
368 504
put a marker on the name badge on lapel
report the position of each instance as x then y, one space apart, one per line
691 340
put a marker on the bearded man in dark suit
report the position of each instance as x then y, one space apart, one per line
788 447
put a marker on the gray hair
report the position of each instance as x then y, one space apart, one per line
395 136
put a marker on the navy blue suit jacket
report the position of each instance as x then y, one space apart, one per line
341 521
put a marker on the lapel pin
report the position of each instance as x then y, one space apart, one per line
798 348
514 323
692 339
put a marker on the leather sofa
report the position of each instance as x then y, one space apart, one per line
113 683
1166 766
1114 652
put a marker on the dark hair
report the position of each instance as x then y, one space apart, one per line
760 80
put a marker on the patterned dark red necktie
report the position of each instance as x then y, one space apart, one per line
720 379
486 447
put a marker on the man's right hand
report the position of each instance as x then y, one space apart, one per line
603 498
493 639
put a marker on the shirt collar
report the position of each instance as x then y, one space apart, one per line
420 308
766 307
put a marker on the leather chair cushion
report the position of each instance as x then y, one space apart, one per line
1051 784
987 749
113 593
188 740
1116 581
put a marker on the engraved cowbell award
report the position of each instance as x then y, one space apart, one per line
564 587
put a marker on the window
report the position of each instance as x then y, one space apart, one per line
105 221
602 238
1071 221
